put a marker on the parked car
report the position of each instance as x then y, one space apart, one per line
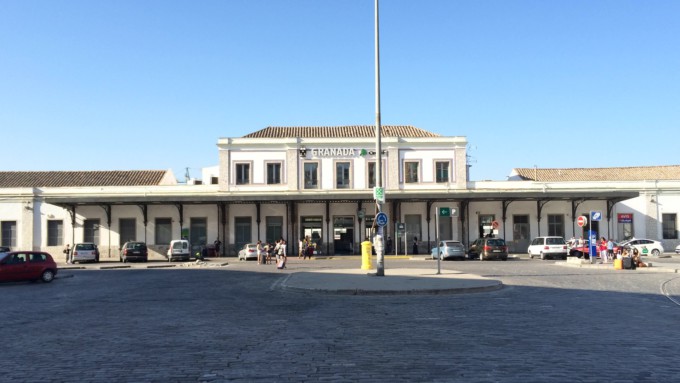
488 248
581 251
180 249
85 252
548 247
644 246
4 249
27 266
249 251
134 251
677 249
449 249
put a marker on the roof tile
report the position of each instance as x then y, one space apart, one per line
637 173
352 131
81 178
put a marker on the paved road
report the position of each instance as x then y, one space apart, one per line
548 324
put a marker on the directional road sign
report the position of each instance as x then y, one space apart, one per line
596 216
381 219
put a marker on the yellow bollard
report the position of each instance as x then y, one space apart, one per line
366 252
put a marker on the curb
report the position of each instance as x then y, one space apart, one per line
660 269
461 290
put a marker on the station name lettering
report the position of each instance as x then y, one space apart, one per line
333 152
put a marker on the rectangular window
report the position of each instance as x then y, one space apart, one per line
91 231
55 233
556 225
413 228
342 175
486 224
411 172
520 227
445 228
625 226
9 234
128 230
242 174
198 232
371 172
311 170
163 234
371 175
670 226
274 229
442 171
214 180
273 173
243 229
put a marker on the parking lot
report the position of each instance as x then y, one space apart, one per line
223 323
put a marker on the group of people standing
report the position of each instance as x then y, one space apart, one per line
305 248
267 250
606 249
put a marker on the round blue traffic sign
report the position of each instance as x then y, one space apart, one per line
381 219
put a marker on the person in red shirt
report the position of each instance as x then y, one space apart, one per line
602 248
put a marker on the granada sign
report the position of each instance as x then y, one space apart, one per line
338 152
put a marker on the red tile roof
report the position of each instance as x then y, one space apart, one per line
355 131
81 178
638 173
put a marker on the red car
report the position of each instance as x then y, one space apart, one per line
27 266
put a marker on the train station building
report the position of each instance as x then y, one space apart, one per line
292 182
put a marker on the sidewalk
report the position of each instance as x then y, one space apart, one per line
654 265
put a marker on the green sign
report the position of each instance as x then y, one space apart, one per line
379 194
444 211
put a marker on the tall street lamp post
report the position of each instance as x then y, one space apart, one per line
379 248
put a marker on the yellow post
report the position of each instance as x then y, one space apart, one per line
366 250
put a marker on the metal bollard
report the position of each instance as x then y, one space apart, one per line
366 250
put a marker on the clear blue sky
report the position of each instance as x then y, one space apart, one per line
122 85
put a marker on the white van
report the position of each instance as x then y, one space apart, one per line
180 249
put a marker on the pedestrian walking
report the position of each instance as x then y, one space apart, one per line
309 248
610 249
259 252
67 251
415 245
281 255
301 248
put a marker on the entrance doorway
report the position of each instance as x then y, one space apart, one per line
311 227
343 235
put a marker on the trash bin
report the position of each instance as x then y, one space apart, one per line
366 247
211 251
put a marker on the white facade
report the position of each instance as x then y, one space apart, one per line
266 188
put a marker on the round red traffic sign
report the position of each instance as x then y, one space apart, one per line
582 220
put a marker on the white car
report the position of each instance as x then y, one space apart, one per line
677 249
644 246
85 252
548 247
249 251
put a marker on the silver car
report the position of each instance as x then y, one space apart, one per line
449 249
